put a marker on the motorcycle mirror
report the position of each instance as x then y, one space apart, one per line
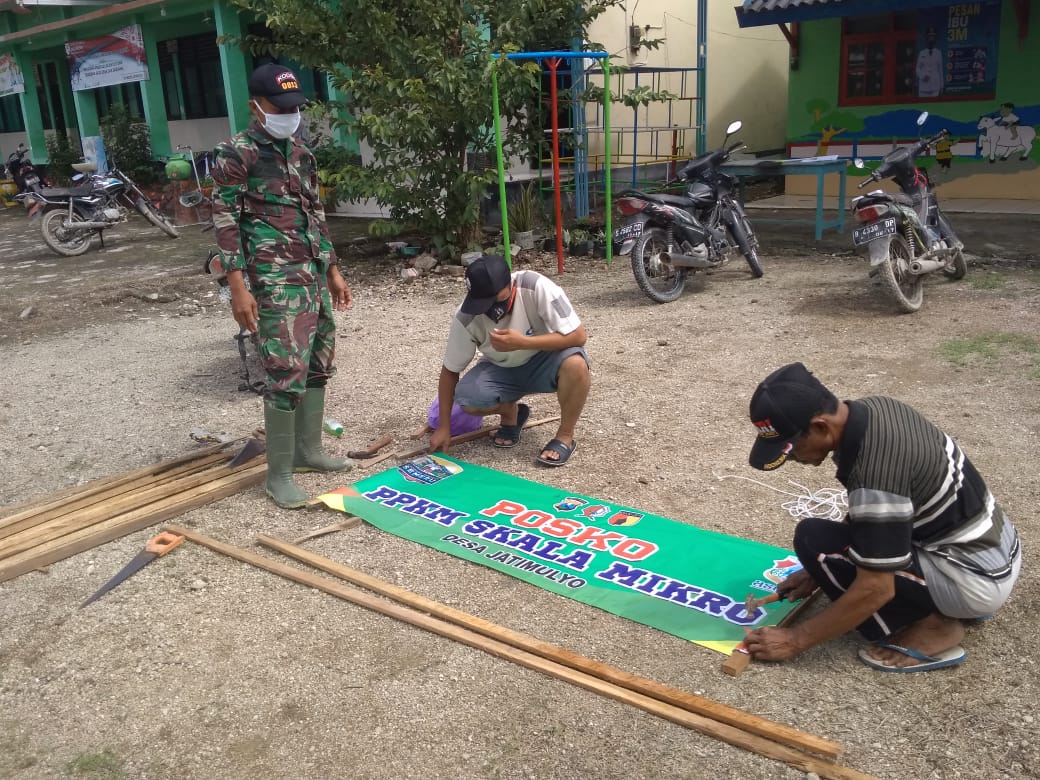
922 118
858 162
734 127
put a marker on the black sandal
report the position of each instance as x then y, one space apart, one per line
511 433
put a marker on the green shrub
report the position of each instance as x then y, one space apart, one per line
128 145
62 152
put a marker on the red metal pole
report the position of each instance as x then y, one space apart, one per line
553 63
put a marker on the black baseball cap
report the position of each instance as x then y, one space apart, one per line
278 84
486 277
781 408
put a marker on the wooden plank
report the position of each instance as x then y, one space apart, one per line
75 21
37 535
14 524
121 525
688 701
351 521
721 731
17 512
464 437
371 450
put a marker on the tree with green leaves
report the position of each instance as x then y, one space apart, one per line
417 76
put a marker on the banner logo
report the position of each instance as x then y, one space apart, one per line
569 504
625 518
428 469
782 569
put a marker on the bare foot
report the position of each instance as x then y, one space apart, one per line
931 636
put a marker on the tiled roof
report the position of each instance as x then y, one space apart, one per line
755 13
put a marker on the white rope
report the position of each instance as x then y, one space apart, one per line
826 503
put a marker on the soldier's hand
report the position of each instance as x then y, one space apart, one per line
338 289
244 309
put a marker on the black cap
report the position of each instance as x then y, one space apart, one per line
781 408
486 277
278 84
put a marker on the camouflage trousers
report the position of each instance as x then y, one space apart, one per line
296 340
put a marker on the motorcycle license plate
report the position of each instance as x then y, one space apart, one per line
634 230
868 233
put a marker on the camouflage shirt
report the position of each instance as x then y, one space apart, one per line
267 213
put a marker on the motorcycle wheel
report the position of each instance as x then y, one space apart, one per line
957 268
905 287
66 242
660 281
149 212
744 237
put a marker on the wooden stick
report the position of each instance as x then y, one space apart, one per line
367 464
724 732
706 707
37 535
371 449
121 525
464 437
351 521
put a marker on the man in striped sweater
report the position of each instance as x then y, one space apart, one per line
924 546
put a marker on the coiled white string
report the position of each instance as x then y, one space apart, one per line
827 503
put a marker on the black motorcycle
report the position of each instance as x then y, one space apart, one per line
671 235
905 233
74 215
22 172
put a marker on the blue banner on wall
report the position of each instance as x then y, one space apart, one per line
957 50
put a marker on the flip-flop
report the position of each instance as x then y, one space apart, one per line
561 449
952 657
512 432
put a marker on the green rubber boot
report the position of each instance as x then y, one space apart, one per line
310 414
281 442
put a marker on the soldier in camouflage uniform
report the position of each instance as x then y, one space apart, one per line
270 227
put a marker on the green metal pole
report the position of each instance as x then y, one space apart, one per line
606 152
501 168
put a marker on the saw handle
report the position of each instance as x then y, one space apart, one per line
163 543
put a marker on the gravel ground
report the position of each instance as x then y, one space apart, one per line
202 667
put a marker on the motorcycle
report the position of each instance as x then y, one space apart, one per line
73 216
670 235
22 172
905 233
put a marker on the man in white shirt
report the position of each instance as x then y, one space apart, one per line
930 69
530 341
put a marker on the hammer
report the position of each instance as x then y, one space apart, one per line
751 603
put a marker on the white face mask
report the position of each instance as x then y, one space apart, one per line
280 125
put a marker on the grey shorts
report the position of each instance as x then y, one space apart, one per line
487 384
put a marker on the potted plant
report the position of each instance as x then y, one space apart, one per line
581 242
523 214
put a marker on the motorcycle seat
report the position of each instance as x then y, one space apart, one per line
67 192
886 197
671 200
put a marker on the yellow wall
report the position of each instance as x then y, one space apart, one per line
746 71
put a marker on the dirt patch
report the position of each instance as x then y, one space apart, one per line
236 673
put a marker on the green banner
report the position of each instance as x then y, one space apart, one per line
672 576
